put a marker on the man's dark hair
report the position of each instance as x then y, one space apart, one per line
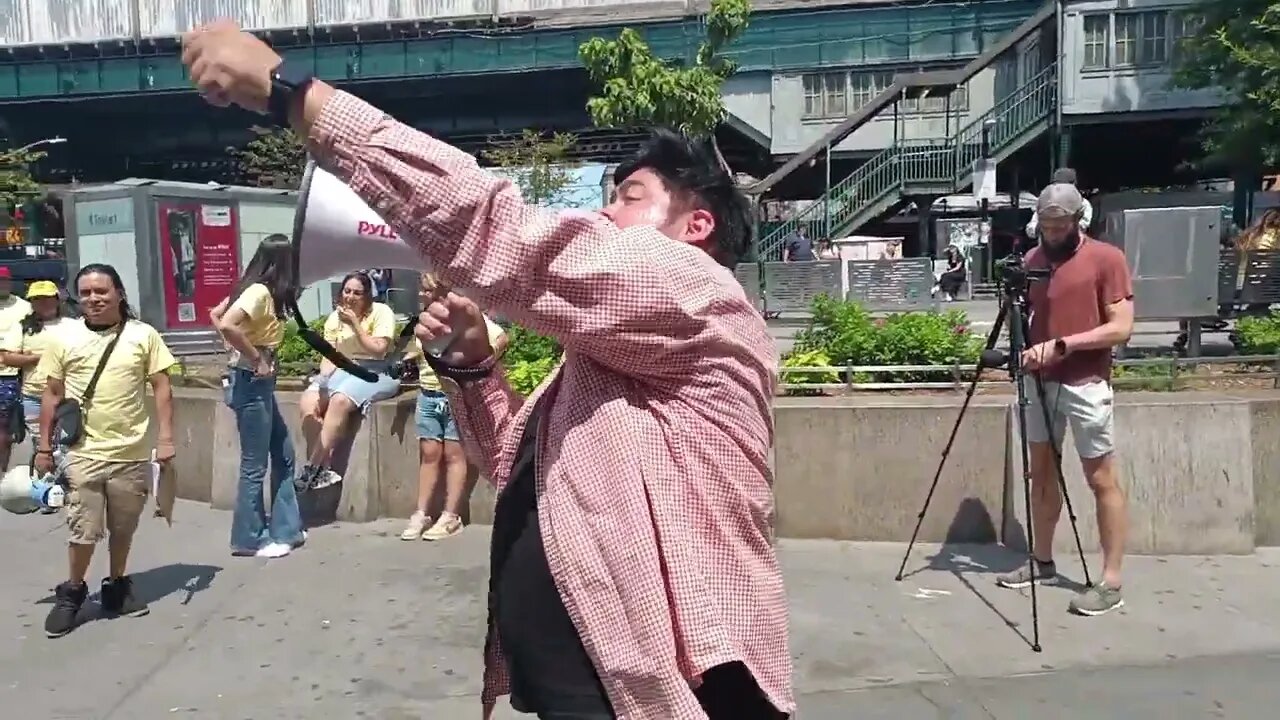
692 173
1064 175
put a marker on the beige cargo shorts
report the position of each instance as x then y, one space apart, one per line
104 497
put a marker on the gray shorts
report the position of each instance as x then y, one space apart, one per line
1089 407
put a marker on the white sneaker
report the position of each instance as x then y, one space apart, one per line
273 550
447 526
324 478
418 524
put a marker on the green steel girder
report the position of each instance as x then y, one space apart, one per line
774 40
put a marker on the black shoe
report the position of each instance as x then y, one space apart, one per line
305 478
68 598
118 598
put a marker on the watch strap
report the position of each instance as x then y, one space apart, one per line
287 83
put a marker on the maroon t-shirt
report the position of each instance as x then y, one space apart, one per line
1074 300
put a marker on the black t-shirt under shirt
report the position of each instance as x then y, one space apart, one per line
550 670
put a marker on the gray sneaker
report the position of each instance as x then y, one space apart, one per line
1097 600
1020 578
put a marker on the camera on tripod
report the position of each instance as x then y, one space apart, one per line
1015 276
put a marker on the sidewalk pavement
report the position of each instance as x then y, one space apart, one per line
359 624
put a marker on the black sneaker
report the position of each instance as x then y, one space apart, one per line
68 598
118 598
306 478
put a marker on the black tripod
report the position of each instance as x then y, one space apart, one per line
1014 280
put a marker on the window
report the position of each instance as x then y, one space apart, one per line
865 86
834 96
812 96
1097 33
1141 38
825 95
1185 25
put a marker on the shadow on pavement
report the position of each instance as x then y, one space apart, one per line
154 585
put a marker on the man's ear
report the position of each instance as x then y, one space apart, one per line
698 227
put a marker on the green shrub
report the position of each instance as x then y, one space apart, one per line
808 358
530 358
293 350
1259 335
849 335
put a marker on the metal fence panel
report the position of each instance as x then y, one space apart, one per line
902 284
748 275
792 287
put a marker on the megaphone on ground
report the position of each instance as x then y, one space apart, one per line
21 494
336 232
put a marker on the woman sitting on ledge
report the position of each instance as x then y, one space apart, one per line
363 330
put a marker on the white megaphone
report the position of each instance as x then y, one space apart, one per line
336 232
20 494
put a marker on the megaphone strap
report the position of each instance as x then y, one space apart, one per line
328 351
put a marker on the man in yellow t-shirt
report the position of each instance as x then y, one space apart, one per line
109 471
12 310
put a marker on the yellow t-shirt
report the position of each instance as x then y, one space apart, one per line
12 310
15 340
116 421
263 328
427 379
379 323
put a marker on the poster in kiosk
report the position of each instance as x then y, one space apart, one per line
200 258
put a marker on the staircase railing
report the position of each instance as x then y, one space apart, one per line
875 177
944 161
1014 114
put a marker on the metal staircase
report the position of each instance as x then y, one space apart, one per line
939 166
927 167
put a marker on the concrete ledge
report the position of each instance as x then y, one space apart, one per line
1202 470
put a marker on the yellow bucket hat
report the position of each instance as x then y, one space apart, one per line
42 288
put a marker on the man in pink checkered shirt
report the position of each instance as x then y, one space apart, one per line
633 570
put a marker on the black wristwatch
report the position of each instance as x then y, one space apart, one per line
287 86
1060 346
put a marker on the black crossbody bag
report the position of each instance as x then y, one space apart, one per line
68 416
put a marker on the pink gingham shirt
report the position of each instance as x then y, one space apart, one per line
653 483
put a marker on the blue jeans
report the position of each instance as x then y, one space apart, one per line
263 438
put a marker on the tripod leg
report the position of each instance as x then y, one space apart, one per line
1017 343
1026 496
1061 476
992 338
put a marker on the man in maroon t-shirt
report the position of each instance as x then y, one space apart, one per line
1078 315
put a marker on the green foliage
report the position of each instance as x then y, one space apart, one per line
637 88
540 166
530 358
849 335
1259 335
16 184
1238 50
808 358
276 158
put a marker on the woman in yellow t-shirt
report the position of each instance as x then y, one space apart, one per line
363 330
438 442
24 344
251 320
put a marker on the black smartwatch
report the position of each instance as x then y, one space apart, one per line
287 86
1060 346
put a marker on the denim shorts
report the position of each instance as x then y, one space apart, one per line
434 419
362 393
31 412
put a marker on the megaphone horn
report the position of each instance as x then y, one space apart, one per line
336 232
